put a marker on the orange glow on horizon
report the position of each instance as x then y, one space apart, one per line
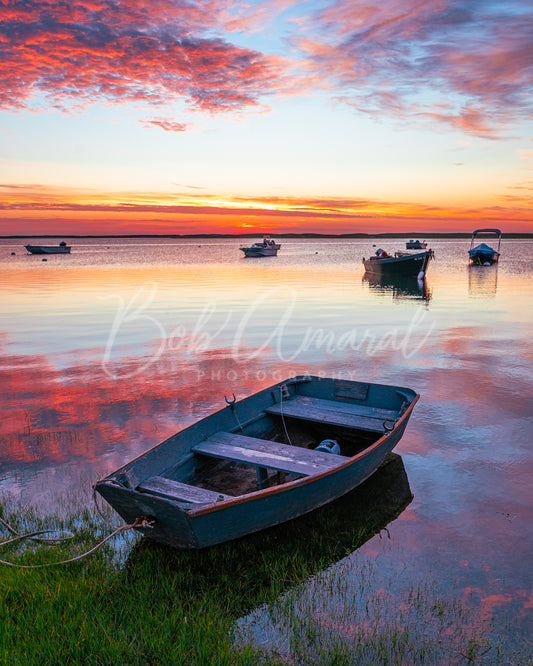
48 210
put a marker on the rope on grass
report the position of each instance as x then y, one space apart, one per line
139 522
34 535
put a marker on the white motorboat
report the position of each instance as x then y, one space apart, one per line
267 248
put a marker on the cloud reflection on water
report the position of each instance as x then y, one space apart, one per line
67 418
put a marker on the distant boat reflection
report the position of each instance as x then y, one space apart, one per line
482 280
401 288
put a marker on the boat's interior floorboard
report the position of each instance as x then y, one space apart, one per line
230 477
330 412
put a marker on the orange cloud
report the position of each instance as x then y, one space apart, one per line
60 210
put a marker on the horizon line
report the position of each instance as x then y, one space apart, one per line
436 234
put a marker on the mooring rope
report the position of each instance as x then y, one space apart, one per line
33 536
281 414
98 510
139 522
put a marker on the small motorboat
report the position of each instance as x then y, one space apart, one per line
401 263
266 248
415 245
62 248
260 462
483 254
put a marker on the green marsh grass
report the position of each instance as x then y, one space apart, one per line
137 602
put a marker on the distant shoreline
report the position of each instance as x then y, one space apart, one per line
419 236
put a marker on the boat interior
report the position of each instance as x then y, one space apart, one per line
290 439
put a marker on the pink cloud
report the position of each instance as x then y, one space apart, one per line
74 54
409 59
166 124
244 17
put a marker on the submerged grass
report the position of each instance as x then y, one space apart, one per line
137 602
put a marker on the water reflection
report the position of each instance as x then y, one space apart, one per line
399 288
482 280
291 552
67 419
86 420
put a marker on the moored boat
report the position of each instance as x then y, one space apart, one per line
401 263
266 248
415 245
62 248
483 254
262 461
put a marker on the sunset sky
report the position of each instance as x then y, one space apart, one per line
168 116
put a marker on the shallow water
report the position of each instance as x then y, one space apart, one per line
109 350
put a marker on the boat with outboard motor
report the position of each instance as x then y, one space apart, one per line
267 248
401 263
483 254
416 245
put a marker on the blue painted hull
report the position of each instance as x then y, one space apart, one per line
368 419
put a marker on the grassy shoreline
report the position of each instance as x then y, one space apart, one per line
137 602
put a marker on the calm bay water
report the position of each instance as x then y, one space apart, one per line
107 351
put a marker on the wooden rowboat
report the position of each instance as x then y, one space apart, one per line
259 462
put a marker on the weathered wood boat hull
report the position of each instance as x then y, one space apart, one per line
409 265
373 410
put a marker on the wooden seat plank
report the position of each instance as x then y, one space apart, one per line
181 492
334 413
267 454
347 407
